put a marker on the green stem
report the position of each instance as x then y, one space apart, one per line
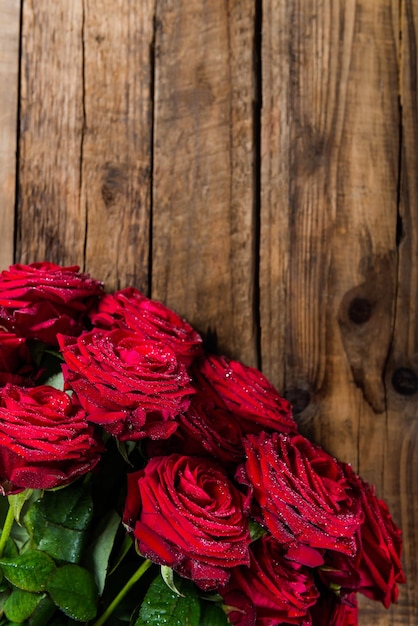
112 606
8 524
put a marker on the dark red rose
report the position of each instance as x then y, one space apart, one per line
331 610
376 569
43 299
131 310
303 496
204 430
15 360
245 392
185 513
45 440
281 591
132 387
213 425
239 608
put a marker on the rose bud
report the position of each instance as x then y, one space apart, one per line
45 440
131 310
302 496
133 388
281 591
245 392
185 513
43 299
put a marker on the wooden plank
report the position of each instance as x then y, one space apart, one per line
400 475
86 130
328 282
116 167
51 219
9 72
203 190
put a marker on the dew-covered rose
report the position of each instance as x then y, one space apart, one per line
45 440
41 300
280 591
184 512
15 360
132 387
245 392
130 309
302 496
204 430
376 569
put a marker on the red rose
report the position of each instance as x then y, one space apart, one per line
331 610
303 496
133 387
245 392
45 440
15 360
376 569
184 512
281 591
131 310
43 299
204 430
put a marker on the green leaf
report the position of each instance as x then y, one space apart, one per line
17 501
74 591
20 605
256 531
213 615
57 523
99 553
4 594
124 549
29 571
56 381
37 350
44 610
167 575
163 606
125 449
10 549
46 359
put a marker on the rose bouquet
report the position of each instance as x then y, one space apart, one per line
147 482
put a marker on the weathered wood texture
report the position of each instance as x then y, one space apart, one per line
254 166
338 279
203 186
9 80
401 469
85 137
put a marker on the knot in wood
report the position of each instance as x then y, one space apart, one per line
298 398
360 310
405 381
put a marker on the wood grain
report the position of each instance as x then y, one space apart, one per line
9 79
117 160
140 160
203 187
401 470
328 253
85 143
51 219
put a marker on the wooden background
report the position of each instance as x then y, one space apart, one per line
254 165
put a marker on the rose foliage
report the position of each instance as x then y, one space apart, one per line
146 481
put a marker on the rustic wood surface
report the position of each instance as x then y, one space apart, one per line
254 166
204 232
